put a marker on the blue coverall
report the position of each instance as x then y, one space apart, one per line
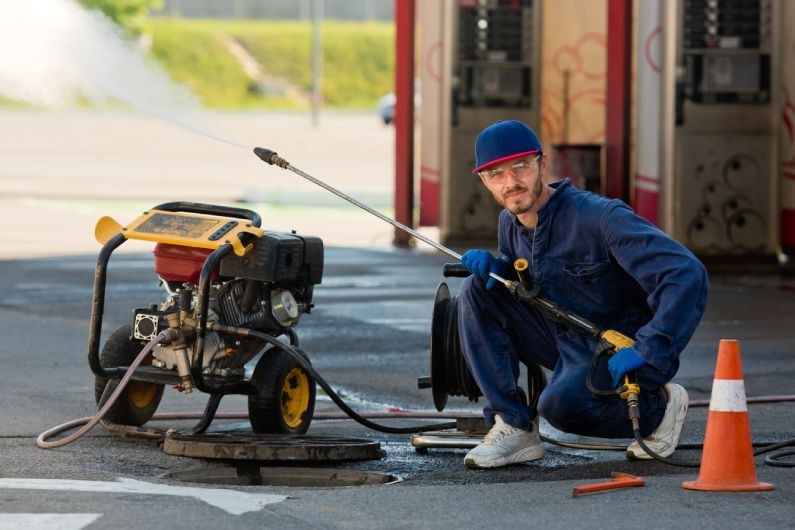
593 256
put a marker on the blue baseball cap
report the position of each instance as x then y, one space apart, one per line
504 140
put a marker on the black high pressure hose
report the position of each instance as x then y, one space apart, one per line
603 351
777 459
301 360
773 460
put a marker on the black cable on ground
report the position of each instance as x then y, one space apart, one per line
655 456
301 360
778 459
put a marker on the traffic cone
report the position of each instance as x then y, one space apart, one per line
727 462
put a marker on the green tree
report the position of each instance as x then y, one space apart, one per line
129 14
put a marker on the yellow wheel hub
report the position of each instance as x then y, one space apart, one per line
295 397
141 394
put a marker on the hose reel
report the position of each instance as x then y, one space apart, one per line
449 372
450 375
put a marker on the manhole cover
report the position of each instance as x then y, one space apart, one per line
291 477
272 447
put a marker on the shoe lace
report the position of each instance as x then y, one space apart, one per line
498 432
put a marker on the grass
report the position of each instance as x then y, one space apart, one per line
195 57
358 61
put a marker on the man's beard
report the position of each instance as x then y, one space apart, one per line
518 208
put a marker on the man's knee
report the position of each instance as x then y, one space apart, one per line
563 409
472 288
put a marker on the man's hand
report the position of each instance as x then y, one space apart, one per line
622 362
481 263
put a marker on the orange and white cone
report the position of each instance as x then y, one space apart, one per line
727 463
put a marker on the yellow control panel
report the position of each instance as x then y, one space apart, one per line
181 228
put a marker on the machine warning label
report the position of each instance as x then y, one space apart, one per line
177 225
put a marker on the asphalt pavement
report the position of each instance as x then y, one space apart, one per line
368 336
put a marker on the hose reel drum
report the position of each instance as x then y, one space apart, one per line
449 372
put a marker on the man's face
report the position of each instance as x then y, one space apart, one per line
516 184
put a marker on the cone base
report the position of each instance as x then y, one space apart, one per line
707 486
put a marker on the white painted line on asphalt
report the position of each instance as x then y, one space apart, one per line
231 501
397 321
47 521
402 324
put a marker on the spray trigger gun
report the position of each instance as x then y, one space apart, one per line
610 342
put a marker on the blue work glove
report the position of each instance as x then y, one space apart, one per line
622 362
481 263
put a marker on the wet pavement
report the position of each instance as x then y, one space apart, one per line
368 336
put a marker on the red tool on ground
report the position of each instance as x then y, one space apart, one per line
620 480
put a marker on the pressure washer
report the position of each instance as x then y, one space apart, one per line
235 293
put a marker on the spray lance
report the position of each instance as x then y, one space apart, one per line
525 290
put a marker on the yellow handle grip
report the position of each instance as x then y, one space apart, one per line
619 340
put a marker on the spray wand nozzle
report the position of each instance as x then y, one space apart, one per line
272 158
266 155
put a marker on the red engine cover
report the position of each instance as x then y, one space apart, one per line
179 263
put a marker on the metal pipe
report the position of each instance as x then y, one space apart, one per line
98 308
274 159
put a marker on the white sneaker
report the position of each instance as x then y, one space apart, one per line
665 437
505 445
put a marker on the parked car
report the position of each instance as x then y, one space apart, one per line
386 105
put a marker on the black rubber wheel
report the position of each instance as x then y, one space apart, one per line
138 402
283 398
